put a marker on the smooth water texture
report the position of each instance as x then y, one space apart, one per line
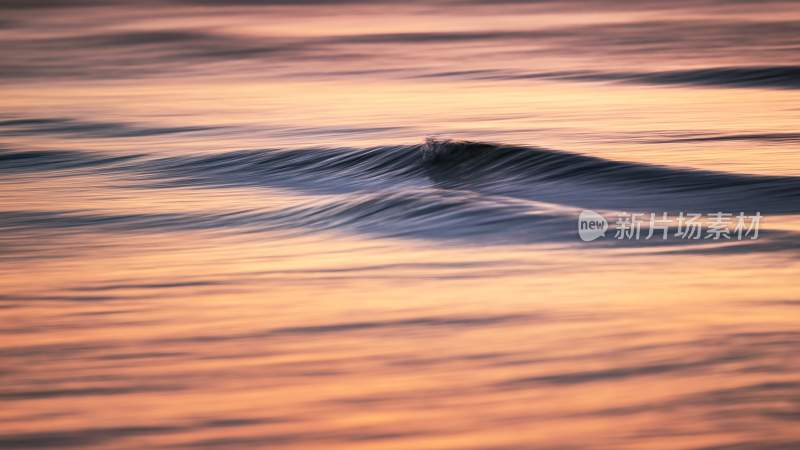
222 226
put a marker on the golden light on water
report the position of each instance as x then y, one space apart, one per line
221 228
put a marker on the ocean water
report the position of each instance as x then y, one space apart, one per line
355 225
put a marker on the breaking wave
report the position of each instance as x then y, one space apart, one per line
527 173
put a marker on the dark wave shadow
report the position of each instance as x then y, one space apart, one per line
529 173
467 192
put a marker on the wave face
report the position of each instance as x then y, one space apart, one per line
438 190
528 173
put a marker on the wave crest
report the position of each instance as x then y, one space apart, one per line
522 172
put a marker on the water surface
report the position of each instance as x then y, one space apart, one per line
222 226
